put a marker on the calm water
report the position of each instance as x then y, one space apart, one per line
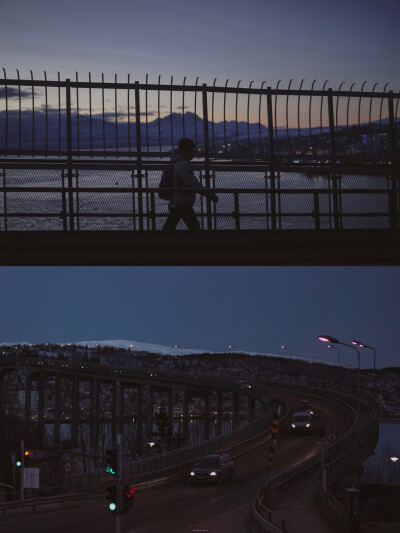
380 465
256 205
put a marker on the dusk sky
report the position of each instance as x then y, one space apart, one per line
255 309
253 40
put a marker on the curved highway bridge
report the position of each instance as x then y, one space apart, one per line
181 507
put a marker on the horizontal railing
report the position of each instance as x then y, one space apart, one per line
74 118
340 459
54 199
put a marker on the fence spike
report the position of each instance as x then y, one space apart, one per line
309 108
236 116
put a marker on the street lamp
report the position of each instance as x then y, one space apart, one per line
176 346
332 340
335 348
151 444
287 348
362 345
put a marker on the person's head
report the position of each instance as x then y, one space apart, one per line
187 147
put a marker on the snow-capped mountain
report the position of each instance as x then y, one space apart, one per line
136 346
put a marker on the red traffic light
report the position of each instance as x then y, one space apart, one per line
27 453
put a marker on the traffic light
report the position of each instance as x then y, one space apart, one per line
111 496
27 456
128 497
18 460
111 461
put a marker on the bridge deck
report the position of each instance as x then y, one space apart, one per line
118 248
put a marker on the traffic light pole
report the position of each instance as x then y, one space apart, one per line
22 470
120 501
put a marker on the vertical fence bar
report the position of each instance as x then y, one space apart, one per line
33 115
129 116
116 114
259 121
171 115
206 153
6 130
47 114
272 156
139 154
103 122
226 84
336 199
331 126
146 115
236 117
248 114
78 143
392 132
316 210
195 112
69 154
19 115
287 118
90 116
183 106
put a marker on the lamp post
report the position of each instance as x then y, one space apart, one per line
332 340
362 345
151 444
335 348
394 461
287 348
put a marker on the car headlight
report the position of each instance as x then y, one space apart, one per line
213 473
307 425
192 473
293 425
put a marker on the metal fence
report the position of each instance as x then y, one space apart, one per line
88 155
124 119
340 459
33 199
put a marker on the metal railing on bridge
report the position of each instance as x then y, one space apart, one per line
86 155
75 118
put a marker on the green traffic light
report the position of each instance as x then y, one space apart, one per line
112 506
109 470
18 463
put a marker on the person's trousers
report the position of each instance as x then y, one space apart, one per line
184 213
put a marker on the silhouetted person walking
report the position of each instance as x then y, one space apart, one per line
181 204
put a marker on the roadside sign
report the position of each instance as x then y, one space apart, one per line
332 438
31 478
67 467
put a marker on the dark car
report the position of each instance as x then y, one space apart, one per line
212 469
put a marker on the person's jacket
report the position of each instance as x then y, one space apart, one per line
184 178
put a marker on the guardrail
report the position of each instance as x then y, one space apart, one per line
143 482
103 201
75 118
340 459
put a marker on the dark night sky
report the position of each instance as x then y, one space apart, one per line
255 309
345 40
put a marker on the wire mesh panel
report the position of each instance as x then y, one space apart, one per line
127 199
